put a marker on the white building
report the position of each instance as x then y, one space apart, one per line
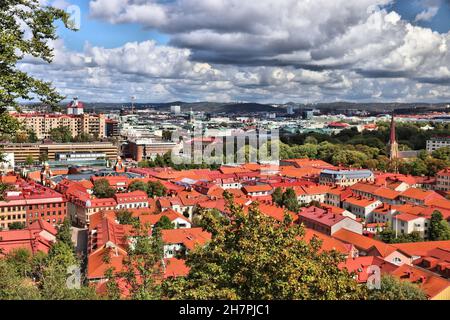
437 142
361 207
175 109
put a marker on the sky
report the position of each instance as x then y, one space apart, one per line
244 50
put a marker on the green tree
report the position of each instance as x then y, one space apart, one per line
290 201
65 233
32 137
252 257
29 160
13 286
277 196
16 226
40 20
144 264
9 125
43 157
102 189
5 187
442 154
311 140
61 134
156 189
138 185
165 224
439 227
125 217
396 289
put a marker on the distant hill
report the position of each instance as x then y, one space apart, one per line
250 107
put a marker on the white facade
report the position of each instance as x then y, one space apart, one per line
133 205
175 109
362 211
436 143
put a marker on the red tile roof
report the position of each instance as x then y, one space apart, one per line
364 243
322 216
328 243
188 237
430 283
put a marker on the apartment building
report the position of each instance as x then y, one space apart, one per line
30 202
443 180
437 142
42 124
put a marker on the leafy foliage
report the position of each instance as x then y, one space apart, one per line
439 227
102 189
15 17
165 224
253 257
143 265
126 217
61 134
396 289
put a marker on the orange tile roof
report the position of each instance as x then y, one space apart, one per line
419 194
228 169
306 162
387 193
406 217
422 248
363 242
188 237
257 188
152 219
175 268
360 265
430 283
360 201
293 172
275 212
328 243
96 266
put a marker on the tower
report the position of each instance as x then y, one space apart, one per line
75 107
133 99
393 145
191 117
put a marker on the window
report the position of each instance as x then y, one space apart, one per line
396 260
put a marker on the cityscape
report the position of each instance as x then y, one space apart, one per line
225 150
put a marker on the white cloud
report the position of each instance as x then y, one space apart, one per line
262 50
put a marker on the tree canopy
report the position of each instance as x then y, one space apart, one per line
102 189
250 256
26 29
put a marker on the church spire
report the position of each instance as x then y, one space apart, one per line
393 145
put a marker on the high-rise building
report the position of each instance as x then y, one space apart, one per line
175 109
393 145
